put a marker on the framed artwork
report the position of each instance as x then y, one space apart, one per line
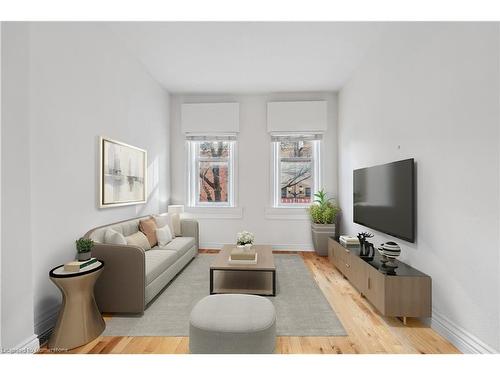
123 174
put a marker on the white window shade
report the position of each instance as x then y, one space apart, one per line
297 117
210 118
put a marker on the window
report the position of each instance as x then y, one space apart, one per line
211 173
296 170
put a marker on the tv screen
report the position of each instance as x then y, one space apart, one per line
384 197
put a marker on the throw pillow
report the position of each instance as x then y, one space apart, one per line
148 227
164 235
138 239
114 238
176 224
165 219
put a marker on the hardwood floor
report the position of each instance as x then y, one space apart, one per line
367 331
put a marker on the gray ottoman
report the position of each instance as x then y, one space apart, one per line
232 323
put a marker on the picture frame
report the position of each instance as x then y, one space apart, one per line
122 174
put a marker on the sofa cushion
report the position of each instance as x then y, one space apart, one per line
156 262
114 238
148 227
129 227
180 245
138 239
126 228
165 219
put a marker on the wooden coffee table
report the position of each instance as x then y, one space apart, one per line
257 278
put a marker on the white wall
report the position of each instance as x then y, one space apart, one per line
0 183
253 185
16 293
82 84
432 92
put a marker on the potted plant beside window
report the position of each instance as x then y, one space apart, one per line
83 248
324 221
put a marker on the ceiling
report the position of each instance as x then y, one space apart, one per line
239 57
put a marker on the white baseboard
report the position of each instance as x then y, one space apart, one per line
294 247
45 323
29 346
463 340
301 247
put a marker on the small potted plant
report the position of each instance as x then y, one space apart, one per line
245 239
324 215
83 248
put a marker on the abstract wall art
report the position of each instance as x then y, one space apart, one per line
123 172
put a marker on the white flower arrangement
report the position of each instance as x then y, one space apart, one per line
245 238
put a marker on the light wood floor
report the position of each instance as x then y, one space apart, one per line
367 331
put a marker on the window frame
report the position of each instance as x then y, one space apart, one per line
276 172
193 181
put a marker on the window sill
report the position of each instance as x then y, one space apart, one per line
287 213
215 212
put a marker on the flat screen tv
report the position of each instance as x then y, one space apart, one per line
384 198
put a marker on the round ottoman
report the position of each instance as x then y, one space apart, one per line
232 323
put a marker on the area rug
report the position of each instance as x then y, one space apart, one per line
301 307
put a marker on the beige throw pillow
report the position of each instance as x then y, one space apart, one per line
164 235
148 227
113 237
138 239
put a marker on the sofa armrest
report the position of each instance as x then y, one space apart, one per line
190 228
121 286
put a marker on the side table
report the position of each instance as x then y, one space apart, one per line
79 320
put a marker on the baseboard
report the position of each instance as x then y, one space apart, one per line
29 346
463 340
45 323
301 247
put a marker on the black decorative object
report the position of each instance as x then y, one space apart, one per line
366 249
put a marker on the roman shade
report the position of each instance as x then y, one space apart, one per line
210 119
304 117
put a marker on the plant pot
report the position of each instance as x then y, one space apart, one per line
320 234
83 256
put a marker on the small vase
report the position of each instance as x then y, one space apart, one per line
83 256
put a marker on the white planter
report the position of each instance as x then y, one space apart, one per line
246 247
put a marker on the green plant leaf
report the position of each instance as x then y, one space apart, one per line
323 211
